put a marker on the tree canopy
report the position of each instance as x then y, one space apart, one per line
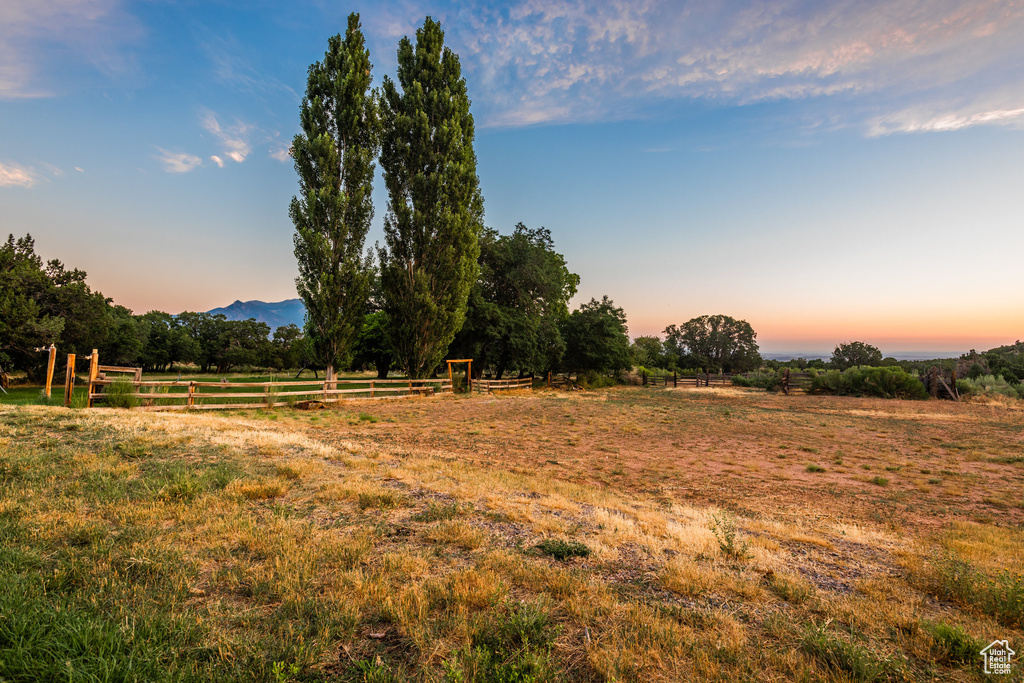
334 160
852 354
596 338
517 304
714 342
435 209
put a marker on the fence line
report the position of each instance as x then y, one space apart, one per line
193 394
698 380
486 386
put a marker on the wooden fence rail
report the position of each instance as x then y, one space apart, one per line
677 380
177 395
486 386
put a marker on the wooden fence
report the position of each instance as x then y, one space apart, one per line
485 386
695 380
211 395
184 395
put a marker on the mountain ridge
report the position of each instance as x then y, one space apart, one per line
275 314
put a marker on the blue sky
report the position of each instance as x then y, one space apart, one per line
825 170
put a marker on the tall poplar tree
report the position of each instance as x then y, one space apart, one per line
334 156
435 209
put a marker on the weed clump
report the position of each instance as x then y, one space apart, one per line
841 655
562 550
729 542
1000 596
438 513
952 642
121 394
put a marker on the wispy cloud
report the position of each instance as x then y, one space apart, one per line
217 160
232 66
234 139
40 38
12 175
577 60
281 154
178 162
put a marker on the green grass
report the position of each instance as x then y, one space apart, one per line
845 656
952 643
509 644
437 513
563 550
999 595
32 395
815 468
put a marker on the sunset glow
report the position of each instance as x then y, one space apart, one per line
827 171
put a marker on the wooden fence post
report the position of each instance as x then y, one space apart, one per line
94 369
933 381
69 381
645 378
49 369
785 382
191 393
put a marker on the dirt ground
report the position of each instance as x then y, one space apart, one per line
897 463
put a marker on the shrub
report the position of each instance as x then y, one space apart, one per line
769 381
988 384
121 394
886 382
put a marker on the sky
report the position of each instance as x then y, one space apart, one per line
828 170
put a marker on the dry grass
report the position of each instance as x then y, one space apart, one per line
405 546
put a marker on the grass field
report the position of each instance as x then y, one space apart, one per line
628 534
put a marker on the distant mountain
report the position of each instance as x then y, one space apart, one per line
290 311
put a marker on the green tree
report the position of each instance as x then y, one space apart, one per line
435 209
851 354
596 338
517 304
647 351
24 289
372 346
122 344
334 160
206 330
286 347
42 305
714 342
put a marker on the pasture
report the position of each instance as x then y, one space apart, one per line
628 534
